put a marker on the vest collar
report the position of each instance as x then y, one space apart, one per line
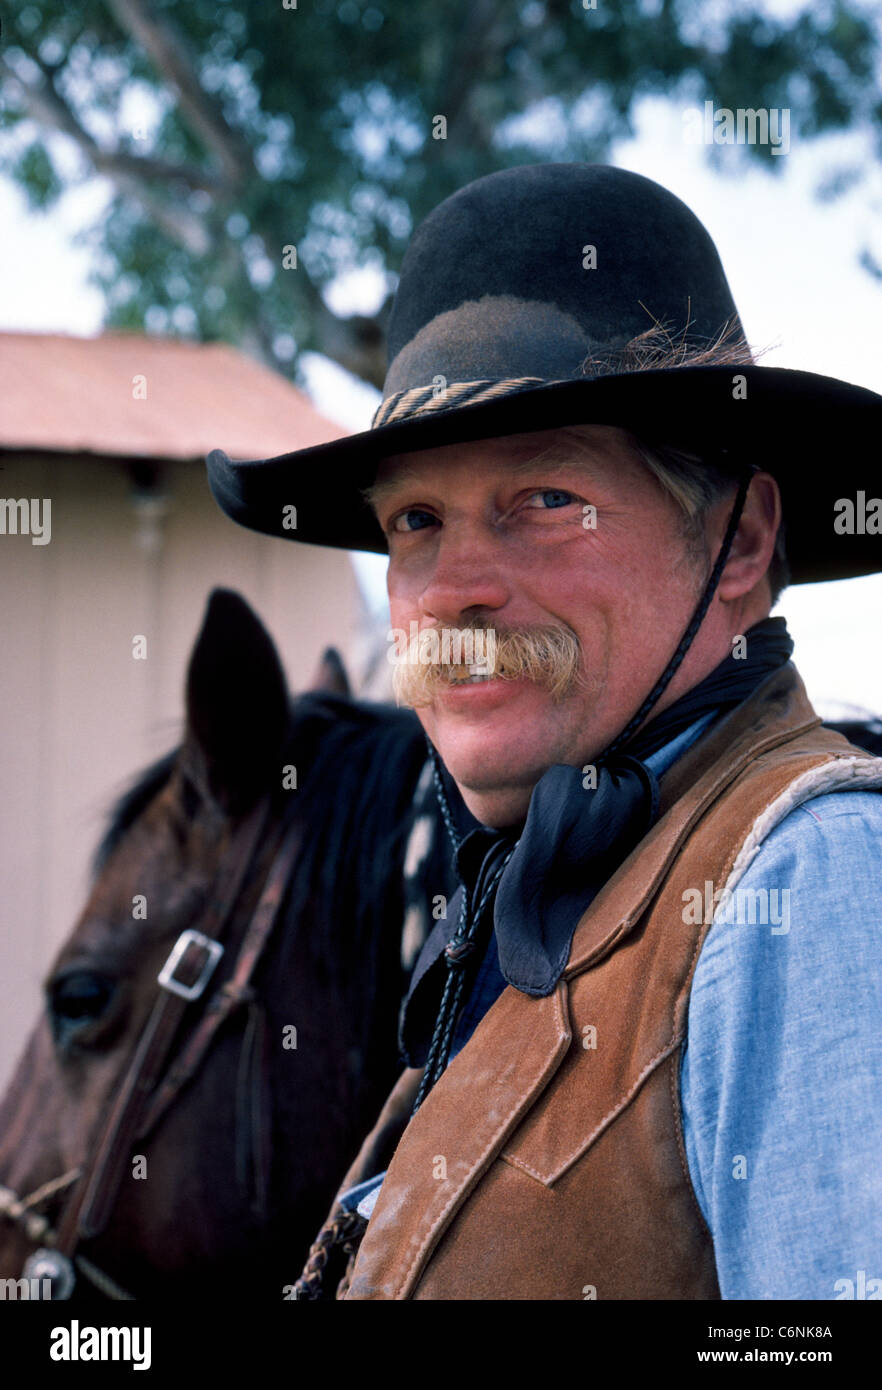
777 711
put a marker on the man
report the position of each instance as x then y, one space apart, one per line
642 1045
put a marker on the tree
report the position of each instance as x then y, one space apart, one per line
282 143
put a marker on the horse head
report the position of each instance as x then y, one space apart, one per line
206 1164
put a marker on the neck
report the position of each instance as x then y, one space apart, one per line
722 683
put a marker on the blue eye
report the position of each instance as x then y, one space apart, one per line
553 497
408 516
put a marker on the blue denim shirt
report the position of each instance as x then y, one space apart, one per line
781 1070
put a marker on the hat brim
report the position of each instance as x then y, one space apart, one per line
818 436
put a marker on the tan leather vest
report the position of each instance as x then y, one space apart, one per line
548 1160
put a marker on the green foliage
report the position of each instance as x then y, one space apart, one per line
326 111
35 174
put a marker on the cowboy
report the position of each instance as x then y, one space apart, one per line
642 1048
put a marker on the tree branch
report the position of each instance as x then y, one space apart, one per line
46 106
113 162
357 342
167 51
180 226
479 39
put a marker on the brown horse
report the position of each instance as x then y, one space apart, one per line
176 1146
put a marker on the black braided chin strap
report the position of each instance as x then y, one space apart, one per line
695 621
459 949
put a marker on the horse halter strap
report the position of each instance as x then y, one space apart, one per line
144 1094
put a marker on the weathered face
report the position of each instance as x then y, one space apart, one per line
595 544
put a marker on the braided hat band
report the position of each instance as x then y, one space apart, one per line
422 400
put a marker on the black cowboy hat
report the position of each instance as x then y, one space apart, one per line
512 293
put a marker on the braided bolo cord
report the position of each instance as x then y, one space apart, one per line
343 1228
451 999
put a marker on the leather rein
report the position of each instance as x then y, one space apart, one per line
152 1081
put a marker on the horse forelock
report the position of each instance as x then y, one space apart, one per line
133 802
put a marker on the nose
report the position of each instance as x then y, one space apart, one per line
466 578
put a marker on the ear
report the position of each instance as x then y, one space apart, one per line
754 543
330 674
237 705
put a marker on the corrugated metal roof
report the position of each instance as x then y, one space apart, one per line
77 395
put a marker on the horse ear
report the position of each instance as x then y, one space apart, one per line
237 704
330 674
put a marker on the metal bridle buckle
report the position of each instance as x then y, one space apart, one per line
190 937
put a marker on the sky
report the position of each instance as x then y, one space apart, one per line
792 264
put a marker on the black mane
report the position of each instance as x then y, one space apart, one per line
135 799
358 764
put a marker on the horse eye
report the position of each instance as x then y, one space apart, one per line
77 999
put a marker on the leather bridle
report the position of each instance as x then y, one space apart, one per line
147 1090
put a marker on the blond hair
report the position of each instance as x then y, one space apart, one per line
694 483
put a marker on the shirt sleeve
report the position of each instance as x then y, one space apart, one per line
781 1076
